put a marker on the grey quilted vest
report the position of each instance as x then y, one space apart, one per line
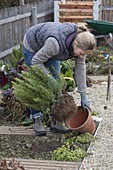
64 33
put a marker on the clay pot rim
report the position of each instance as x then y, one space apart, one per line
89 114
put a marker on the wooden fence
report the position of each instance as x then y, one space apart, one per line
16 20
107 10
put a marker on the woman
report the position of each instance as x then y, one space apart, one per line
45 45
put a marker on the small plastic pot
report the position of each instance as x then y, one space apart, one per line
81 121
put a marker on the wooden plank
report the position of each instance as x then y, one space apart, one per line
15 18
19 17
27 131
28 10
5 32
107 8
15 28
32 164
74 18
1 30
1 13
20 23
76 5
45 13
24 26
9 51
10 26
75 12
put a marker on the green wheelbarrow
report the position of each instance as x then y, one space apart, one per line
103 29
100 27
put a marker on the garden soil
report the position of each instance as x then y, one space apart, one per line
101 150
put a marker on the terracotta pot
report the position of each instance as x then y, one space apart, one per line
81 121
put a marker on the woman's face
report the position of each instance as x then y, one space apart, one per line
78 52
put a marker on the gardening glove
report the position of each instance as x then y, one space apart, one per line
84 102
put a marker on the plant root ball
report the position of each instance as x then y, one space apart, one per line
64 107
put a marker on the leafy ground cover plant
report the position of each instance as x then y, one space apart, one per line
13 109
74 148
67 72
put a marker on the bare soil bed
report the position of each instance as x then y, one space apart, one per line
27 147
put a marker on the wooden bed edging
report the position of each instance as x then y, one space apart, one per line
26 131
32 164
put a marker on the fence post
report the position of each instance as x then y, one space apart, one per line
34 16
21 2
97 9
56 11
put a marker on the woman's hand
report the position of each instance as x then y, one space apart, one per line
84 102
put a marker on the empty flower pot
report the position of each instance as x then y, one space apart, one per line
81 121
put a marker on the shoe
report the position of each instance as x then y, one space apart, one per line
39 128
55 130
58 127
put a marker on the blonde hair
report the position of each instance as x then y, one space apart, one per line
85 40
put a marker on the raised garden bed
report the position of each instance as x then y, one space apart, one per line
34 152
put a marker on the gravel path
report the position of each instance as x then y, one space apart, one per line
101 150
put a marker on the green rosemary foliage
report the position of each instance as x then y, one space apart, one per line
36 89
16 56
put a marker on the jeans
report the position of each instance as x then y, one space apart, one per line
51 64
